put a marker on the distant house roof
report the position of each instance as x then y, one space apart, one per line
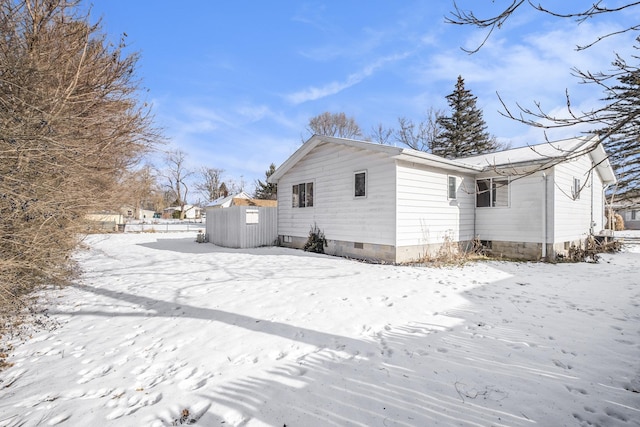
547 154
254 202
179 208
241 199
225 202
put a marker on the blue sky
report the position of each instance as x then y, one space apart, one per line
233 84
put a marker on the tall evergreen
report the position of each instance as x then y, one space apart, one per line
620 136
464 133
266 190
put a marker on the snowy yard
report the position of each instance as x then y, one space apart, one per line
161 330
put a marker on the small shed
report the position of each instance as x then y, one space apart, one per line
243 226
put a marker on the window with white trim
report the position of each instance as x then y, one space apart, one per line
492 193
360 184
452 187
302 195
633 215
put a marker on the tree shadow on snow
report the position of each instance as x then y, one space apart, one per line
189 246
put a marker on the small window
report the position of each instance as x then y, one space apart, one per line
302 195
360 184
633 215
492 192
452 188
252 216
575 191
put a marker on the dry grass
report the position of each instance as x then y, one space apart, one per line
20 317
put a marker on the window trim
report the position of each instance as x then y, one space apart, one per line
455 187
302 202
492 191
366 184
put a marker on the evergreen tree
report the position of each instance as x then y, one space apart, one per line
223 191
620 135
266 190
464 133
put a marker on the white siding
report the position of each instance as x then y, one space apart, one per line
336 211
522 220
425 215
573 217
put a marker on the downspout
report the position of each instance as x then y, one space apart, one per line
591 224
544 216
605 214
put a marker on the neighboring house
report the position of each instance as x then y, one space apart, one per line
396 204
129 212
630 212
190 211
106 221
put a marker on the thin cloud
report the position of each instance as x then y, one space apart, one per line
314 93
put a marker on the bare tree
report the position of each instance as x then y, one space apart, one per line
71 126
140 189
381 135
589 9
209 183
422 136
177 175
617 121
236 186
334 124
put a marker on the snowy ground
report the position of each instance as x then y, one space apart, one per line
165 331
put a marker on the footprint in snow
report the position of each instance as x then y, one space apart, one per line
192 383
576 390
58 419
93 374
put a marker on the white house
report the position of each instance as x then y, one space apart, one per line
190 211
396 204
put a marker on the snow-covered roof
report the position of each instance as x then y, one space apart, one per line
548 154
528 154
226 201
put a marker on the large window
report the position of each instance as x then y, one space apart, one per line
360 180
302 195
452 188
492 192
